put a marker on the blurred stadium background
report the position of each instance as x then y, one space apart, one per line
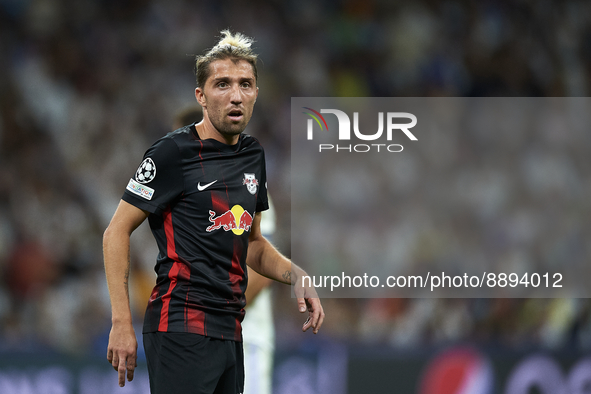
86 86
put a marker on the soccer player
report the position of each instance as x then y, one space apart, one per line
258 339
202 188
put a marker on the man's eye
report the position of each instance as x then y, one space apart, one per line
222 84
245 84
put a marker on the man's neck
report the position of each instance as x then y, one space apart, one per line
207 130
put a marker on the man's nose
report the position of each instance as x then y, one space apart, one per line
235 95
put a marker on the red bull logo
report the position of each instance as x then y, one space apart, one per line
236 220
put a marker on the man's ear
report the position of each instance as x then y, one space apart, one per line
200 96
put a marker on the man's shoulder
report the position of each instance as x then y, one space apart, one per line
250 142
181 135
178 139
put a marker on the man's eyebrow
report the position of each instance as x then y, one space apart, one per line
226 79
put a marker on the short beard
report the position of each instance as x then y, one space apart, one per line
228 132
232 130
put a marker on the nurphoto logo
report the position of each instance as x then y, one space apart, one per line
393 124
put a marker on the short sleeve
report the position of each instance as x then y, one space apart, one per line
262 199
158 180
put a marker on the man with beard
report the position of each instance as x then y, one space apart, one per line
203 188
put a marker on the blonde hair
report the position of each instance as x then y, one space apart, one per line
235 46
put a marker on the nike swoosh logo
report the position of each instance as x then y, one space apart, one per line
201 188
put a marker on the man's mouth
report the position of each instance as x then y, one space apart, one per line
235 115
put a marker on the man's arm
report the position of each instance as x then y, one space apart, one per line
122 348
267 261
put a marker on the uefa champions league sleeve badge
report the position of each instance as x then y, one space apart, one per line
146 171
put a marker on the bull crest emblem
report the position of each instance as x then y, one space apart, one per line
251 183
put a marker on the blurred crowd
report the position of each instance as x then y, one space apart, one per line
86 86
493 185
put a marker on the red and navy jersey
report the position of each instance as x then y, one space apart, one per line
202 196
